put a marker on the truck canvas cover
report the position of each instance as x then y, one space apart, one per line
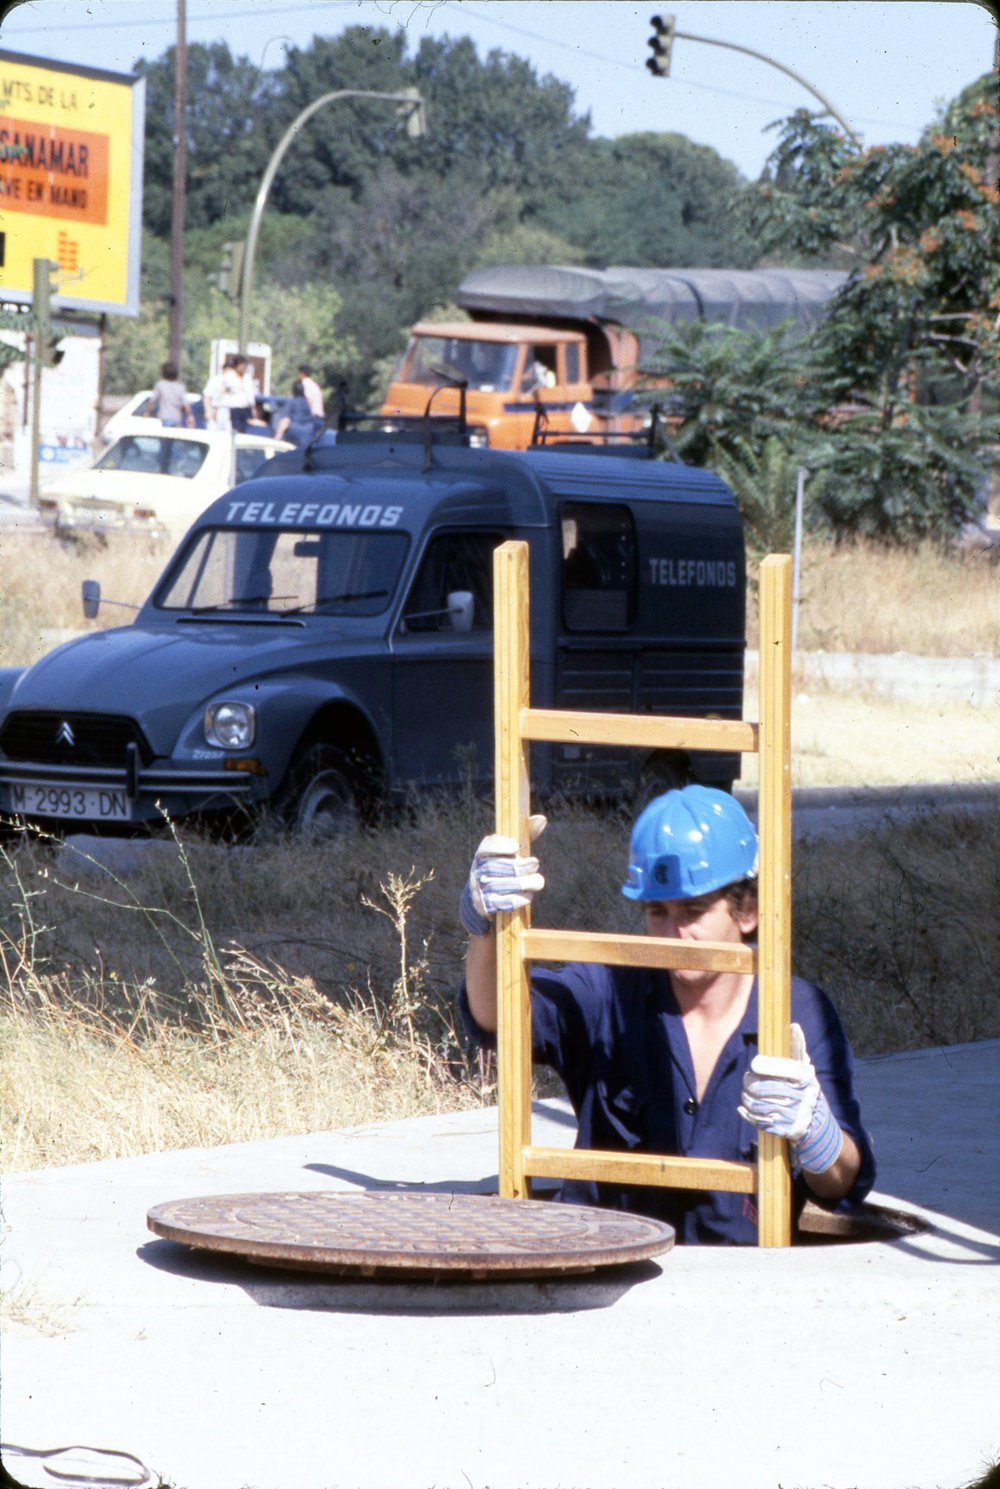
644 299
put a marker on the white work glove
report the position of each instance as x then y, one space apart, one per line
500 879
784 1097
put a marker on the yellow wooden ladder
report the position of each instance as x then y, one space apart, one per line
517 723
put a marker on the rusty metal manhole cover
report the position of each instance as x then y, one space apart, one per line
391 1234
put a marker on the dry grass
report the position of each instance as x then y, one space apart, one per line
860 598
249 994
928 602
207 995
859 738
40 594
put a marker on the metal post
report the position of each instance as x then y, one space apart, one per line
800 483
177 197
415 125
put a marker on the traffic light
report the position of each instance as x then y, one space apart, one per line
230 270
660 44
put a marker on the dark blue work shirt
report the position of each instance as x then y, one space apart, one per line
616 1037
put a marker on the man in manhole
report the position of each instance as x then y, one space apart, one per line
665 1061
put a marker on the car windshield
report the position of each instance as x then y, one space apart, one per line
275 572
486 366
155 455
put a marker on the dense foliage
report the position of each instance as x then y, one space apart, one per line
892 401
507 171
888 403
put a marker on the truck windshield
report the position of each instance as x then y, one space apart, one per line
487 366
278 572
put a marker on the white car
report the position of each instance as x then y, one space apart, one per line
155 481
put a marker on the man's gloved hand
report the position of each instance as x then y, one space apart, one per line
500 879
784 1097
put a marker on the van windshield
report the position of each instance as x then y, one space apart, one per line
277 572
487 366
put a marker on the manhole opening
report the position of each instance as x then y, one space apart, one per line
819 1227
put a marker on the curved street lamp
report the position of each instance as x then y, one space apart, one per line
409 103
659 64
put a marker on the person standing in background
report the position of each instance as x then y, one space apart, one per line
170 403
311 391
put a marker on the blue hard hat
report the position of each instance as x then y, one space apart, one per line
689 842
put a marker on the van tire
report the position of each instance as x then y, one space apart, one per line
667 770
319 800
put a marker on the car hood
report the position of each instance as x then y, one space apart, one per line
126 486
159 676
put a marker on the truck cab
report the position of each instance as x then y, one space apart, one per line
321 641
515 378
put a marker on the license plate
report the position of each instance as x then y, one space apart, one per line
89 803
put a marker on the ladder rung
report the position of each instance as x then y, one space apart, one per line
650 731
640 1168
636 951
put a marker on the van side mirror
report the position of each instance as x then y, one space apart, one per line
91 595
460 608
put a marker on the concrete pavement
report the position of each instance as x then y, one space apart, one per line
867 1366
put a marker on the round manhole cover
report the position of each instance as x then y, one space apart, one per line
383 1233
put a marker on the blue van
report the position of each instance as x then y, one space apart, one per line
321 640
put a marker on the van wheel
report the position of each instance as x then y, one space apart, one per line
320 799
667 770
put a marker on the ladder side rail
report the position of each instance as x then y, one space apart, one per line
512 684
774 1209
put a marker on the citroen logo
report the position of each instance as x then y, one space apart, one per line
64 734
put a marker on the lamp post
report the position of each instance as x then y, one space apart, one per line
659 63
409 103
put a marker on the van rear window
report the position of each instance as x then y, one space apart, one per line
599 569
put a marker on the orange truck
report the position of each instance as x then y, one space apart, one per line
551 351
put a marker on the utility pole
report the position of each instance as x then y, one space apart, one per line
664 34
177 199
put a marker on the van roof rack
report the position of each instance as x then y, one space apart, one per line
641 444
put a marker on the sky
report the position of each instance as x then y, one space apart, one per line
884 65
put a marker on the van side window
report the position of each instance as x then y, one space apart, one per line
599 567
453 561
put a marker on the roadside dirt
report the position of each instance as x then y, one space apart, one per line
847 739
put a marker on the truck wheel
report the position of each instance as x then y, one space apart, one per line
319 800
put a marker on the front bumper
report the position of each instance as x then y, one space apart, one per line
116 795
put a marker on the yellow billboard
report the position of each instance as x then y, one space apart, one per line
71 142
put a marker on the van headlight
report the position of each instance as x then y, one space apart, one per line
231 726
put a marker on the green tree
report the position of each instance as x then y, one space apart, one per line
348 142
653 199
727 391
300 324
910 348
742 403
228 134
